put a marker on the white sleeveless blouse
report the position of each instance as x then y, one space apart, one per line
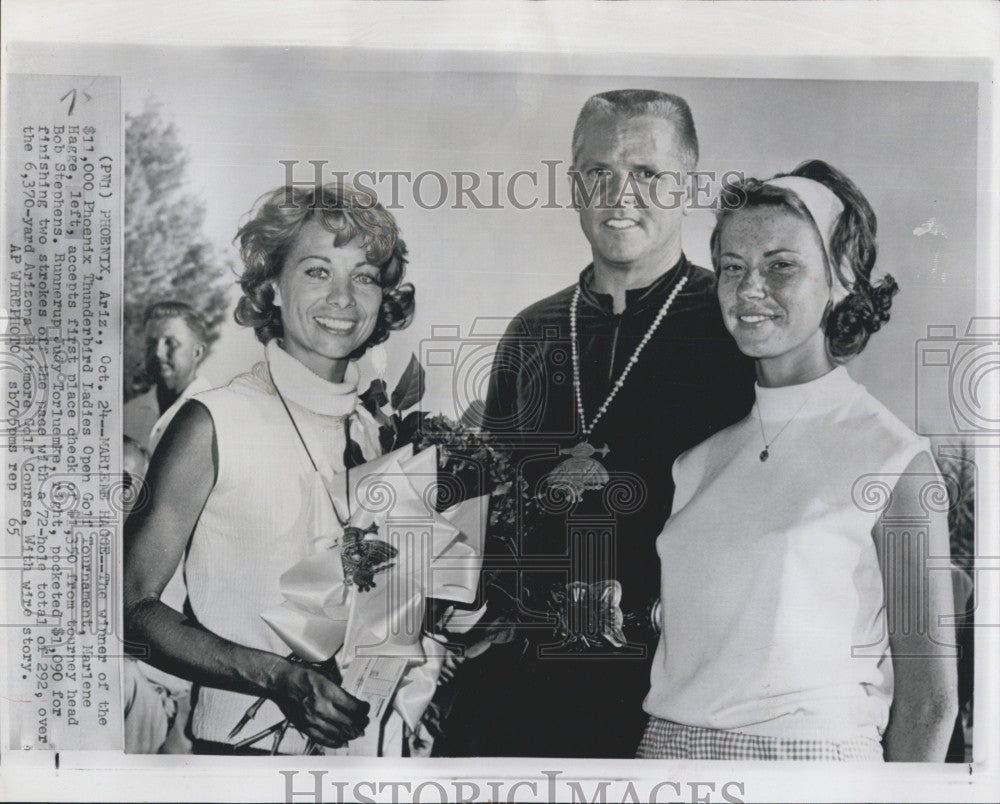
773 603
261 516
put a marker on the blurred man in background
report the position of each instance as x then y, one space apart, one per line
176 344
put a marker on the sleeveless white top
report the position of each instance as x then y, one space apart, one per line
261 515
773 606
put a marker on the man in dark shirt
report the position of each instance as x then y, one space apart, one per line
597 389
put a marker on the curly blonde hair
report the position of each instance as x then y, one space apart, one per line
350 215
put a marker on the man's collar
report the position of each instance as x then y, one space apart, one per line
637 299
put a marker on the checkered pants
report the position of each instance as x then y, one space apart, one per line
667 740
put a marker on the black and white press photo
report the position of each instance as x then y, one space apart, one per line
389 419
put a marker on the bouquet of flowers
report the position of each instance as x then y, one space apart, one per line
417 599
578 616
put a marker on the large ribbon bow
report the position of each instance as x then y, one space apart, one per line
438 554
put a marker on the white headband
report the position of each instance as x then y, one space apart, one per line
825 208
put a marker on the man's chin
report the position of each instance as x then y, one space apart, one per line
632 263
618 259
172 382
626 256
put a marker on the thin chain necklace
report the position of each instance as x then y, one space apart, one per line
766 452
361 557
347 469
581 471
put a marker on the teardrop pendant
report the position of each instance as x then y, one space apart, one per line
764 455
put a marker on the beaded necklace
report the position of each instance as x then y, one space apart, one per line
581 471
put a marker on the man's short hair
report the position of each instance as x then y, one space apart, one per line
177 309
629 103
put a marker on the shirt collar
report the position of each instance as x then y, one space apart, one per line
637 299
807 399
299 385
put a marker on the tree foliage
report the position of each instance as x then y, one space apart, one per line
167 254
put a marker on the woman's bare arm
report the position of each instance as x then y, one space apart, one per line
925 698
180 479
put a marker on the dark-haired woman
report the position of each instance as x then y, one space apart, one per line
800 620
239 484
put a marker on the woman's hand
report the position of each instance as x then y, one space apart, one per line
318 707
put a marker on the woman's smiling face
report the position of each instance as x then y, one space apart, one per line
773 291
329 297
